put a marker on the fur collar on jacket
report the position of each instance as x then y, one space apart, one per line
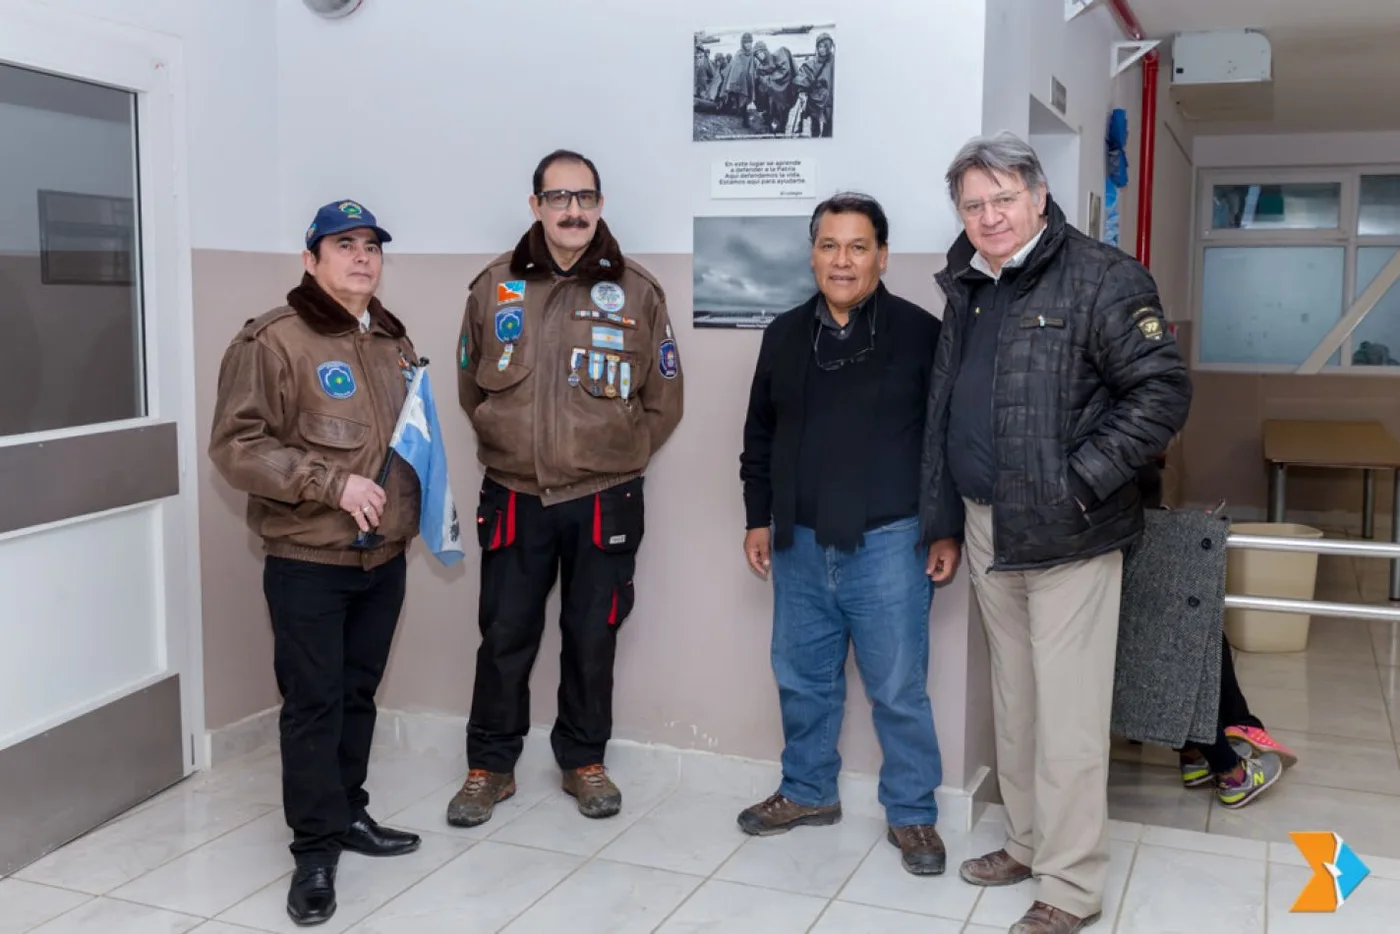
325 315
601 262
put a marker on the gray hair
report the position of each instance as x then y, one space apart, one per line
1005 153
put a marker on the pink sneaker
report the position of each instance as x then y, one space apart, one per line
1261 742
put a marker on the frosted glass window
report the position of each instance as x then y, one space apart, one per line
1269 305
1376 340
1380 206
1294 206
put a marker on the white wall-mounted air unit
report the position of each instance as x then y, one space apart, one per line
1223 75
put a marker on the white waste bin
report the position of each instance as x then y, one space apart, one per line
1285 574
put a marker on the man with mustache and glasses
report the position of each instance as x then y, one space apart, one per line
1056 380
570 374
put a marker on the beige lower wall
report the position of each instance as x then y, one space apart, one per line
692 667
92 379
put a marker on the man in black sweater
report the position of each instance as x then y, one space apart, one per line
830 470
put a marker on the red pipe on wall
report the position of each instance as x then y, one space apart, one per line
1147 158
1148 148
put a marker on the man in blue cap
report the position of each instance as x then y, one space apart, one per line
308 396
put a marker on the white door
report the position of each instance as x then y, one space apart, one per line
100 685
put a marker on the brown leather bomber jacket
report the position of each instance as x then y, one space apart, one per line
572 382
305 399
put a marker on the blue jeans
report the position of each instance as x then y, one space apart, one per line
878 598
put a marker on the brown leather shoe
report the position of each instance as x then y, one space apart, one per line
777 814
597 795
1046 919
993 870
478 797
920 848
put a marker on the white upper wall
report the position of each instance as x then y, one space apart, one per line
1297 149
230 62
434 114
1029 43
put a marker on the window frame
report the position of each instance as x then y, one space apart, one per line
1346 235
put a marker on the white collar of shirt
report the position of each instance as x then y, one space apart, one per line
979 262
364 320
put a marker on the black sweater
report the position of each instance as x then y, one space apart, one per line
862 443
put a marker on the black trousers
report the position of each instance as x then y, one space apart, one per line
1234 711
591 544
332 628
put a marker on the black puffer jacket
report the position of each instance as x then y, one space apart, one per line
1089 387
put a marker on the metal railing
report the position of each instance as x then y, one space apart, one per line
1320 546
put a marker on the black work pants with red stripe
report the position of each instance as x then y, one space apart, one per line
589 545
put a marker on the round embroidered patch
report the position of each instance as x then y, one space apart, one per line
609 296
337 379
509 323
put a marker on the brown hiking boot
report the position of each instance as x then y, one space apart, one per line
777 814
993 870
597 795
1046 919
921 849
480 794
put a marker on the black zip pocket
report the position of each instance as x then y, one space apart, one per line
1042 321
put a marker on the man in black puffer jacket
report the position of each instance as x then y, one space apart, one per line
1054 381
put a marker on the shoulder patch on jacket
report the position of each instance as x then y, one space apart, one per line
1149 322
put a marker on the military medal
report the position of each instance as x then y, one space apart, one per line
611 390
576 357
626 380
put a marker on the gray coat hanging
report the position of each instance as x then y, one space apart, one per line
1166 687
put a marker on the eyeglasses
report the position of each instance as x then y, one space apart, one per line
1000 204
558 199
839 362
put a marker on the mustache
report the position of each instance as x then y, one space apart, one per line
571 223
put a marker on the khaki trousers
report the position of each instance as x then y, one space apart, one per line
1053 636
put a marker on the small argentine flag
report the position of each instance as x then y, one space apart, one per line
419 442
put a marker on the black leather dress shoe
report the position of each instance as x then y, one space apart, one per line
369 839
312 896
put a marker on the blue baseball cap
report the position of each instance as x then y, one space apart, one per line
340 216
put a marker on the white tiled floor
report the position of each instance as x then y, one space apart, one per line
209 856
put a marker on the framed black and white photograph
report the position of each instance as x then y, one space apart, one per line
749 270
772 82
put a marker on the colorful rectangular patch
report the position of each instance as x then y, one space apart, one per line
609 338
512 291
